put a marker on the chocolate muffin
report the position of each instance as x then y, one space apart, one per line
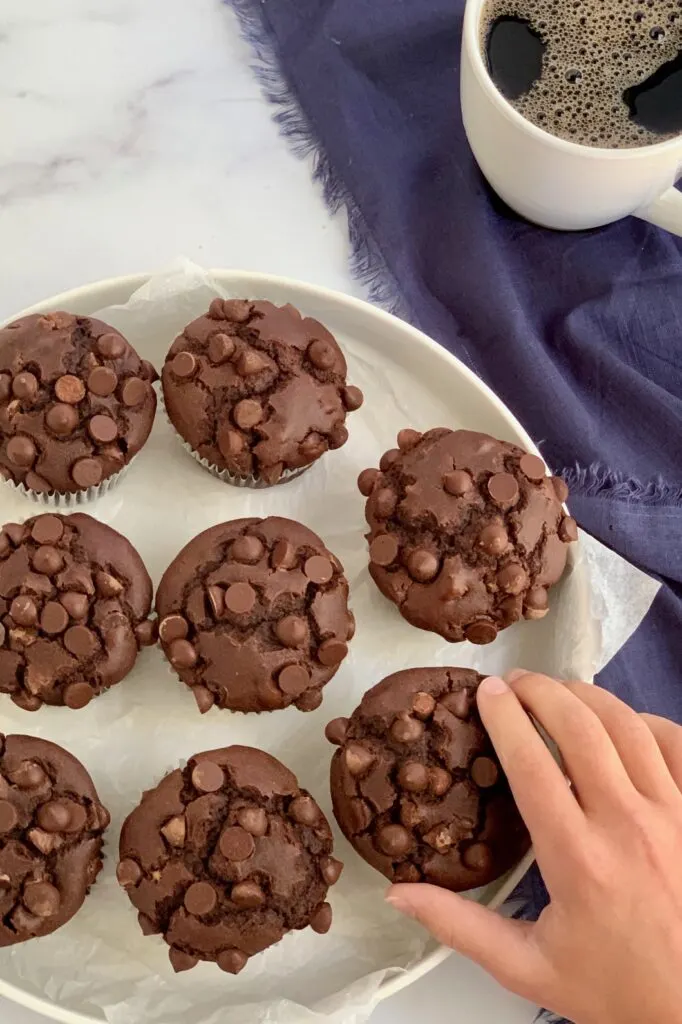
466 533
76 404
51 828
417 787
74 601
253 616
225 856
257 392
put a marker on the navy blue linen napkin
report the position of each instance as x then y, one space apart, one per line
580 334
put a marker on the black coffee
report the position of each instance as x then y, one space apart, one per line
597 72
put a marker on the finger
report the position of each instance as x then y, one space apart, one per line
535 778
668 736
636 746
590 759
506 949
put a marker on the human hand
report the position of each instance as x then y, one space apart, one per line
608 947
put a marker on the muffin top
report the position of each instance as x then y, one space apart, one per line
258 390
225 856
74 601
253 615
76 402
51 827
466 532
417 787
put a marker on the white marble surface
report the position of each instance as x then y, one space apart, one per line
134 132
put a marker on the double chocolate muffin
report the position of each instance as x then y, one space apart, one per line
225 856
76 403
51 828
253 616
467 533
74 601
417 787
257 392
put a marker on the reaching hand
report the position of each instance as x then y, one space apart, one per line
608 947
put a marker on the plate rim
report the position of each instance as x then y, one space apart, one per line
225 277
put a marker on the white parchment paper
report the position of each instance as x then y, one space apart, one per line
100 964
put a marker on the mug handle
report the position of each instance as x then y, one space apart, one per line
664 212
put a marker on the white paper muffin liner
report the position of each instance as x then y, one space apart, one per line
57 499
224 474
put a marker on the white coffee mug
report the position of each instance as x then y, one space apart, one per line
554 182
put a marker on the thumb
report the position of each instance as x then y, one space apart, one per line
504 948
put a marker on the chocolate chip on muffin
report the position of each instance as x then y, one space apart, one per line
257 391
76 402
416 786
51 827
253 616
467 533
225 856
74 601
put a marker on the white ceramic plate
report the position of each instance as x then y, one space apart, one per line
411 381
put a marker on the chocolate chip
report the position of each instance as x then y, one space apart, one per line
358 759
532 467
247 894
568 530
26 701
184 365
293 680
309 701
200 899
388 458
408 438
236 844
240 598
204 698
253 820
81 642
87 472
134 392
484 772
216 599
321 355
482 632
237 310
182 654
423 705
41 899
336 731
47 559
111 346
232 961
423 565
283 555
102 381
54 618
406 729
27 775
413 777
78 695
220 348
318 569
102 429
25 387
394 840
181 961
251 362
477 857
352 398
175 830
62 419
208 777
215 310
440 781
45 842
367 480
457 483
47 529
173 627
331 870
231 443
8 817
21 451
536 605
384 503
384 550
321 921
513 579
291 631
503 489
128 873
332 652
54 816
247 413
145 633
24 610
560 488
247 549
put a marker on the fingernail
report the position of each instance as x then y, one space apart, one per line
493 686
397 900
515 674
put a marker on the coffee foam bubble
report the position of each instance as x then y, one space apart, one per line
595 51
